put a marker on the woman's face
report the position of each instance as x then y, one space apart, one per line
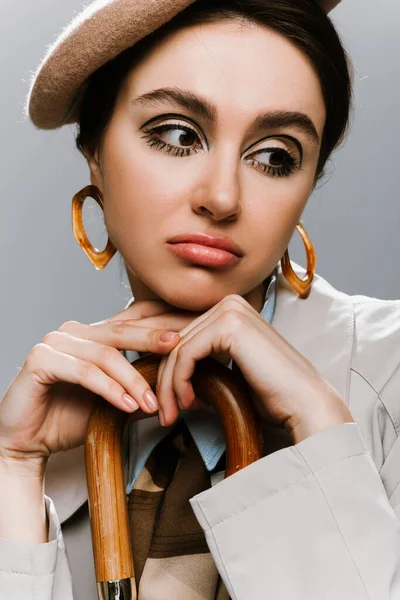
229 148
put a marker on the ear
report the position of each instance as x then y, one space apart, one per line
92 156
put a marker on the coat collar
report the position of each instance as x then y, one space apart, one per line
321 328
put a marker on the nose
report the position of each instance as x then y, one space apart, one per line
217 193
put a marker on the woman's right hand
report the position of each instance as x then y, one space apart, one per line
47 406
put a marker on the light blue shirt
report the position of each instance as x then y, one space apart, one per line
204 425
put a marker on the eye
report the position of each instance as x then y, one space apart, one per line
277 161
181 139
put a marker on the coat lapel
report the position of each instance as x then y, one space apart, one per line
321 328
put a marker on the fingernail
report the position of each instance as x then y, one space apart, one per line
161 418
151 400
167 336
130 402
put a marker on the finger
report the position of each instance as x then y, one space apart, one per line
170 321
184 321
190 352
168 402
184 324
123 336
159 378
65 367
171 399
197 402
211 337
187 333
139 310
179 322
111 362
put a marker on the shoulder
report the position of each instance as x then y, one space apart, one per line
330 318
354 340
376 353
375 374
376 332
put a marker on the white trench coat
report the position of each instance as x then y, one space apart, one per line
314 521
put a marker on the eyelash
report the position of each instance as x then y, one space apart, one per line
155 142
152 141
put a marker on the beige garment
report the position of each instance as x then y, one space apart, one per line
171 556
314 521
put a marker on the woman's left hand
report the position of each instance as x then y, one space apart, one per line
287 389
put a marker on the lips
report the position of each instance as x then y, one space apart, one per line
204 239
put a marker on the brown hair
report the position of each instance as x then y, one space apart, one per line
302 22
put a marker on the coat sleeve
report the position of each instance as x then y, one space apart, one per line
36 571
307 522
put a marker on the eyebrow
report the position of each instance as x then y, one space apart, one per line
205 109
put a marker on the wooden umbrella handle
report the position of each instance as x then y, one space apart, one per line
212 382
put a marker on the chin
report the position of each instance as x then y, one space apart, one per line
192 300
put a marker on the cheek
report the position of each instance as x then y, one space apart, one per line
276 210
137 194
140 179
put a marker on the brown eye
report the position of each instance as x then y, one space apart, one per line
276 157
177 135
181 140
187 138
277 162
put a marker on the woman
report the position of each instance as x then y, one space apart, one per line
317 516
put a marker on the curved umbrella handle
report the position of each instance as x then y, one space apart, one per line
212 382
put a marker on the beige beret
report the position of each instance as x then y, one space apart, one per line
100 32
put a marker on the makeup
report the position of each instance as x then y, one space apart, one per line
204 255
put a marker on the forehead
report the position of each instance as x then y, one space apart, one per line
241 69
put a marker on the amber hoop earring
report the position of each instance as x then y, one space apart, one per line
98 259
301 286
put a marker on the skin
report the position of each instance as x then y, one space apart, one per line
149 197
217 189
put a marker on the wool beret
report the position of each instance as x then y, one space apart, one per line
104 29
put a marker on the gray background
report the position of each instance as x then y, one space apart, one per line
352 219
